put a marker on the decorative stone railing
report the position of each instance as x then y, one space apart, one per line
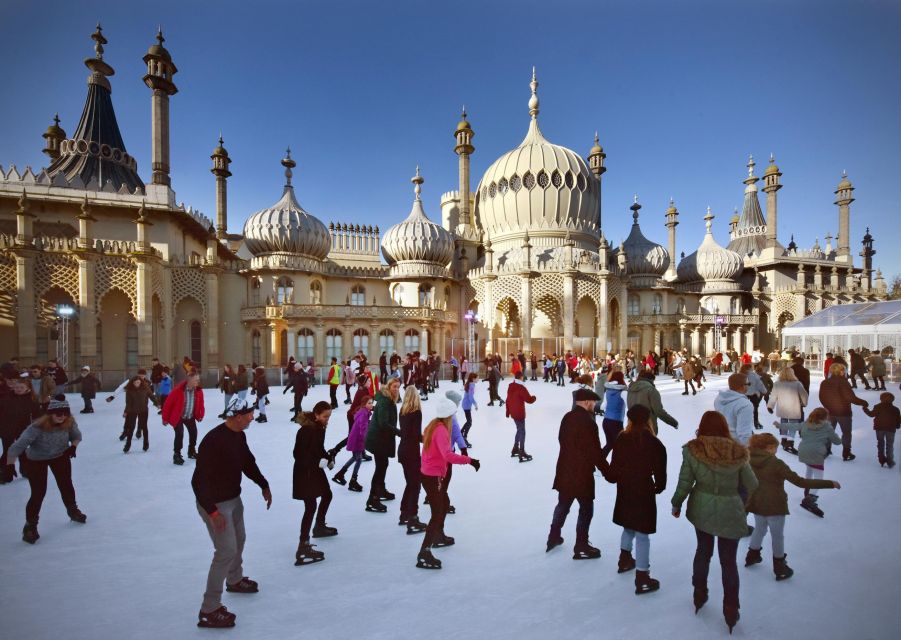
350 312
729 319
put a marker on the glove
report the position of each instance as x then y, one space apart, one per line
323 463
475 464
331 463
110 398
70 451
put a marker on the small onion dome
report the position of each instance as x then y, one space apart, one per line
771 167
54 131
710 262
417 238
645 257
845 183
285 227
158 49
463 125
596 149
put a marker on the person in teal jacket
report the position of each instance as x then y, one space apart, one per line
713 467
381 443
817 435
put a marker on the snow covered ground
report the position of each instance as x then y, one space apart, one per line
137 569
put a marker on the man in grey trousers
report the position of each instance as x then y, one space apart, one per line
221 460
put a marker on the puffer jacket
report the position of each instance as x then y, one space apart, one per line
788 399
712 470
382 432
815 437
836 396
614 403
770 498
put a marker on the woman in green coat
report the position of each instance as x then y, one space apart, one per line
380 442
769 503
713 467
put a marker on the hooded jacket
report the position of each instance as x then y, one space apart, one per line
615 405
712 470
643 392
815 438
382 431
739 413
517 398
770 498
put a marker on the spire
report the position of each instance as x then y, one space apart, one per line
708 220
288 164
635 208
750 234
533 101
417 180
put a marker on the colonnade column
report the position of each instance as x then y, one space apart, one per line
750 337
525 313
569 320
695 340
603 325
274 336
26 320
212 318
87 311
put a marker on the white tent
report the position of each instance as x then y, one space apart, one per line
871 325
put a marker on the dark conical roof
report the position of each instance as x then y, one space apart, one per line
749 235
96 151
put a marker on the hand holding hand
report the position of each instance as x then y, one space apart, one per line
475 464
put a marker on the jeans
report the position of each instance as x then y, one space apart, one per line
191 424
814 471
438 503
130 420
727 549
378 475
786 432
642 547
356 458
409 503
520 439
586 513
228 399
36 470
885 446
229 547
612 428
776 525
309 510
844 422
468 424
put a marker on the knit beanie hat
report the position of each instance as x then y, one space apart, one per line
445 408
59 404
86 368
454 396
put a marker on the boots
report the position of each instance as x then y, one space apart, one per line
789 446
847 456
322 530
584 551
781 569
644 583
626 561
810 503
730 613
30 532
425 559
192 452
306 554
375 505
515 451
354 486
415 525
262 418
177 459
339 478
753 557
75 514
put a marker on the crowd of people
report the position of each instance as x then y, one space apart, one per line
729 470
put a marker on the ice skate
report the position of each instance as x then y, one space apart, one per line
781 569
415 525
626 561
322 530
375 505
810 503
584 551
425 560
753 557
700 598
444 541
306 554
221 618
515 451
177 459
75 514
644 583
553 542
354 486
731 615
386 495
192 452
30 532
244 585
524 457
339 478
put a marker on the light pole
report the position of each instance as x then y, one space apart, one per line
471 318
64 313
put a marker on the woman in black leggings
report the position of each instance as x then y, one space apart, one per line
380 441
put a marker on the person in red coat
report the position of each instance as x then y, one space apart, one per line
184 408
517 398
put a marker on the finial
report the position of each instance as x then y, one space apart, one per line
220 138
844 174
708 219
56 119
159 35
288 164
141 212
597 140
533 101
99 41
751 165
772 158
635 207
463 113
417 180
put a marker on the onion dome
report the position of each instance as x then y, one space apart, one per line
711 264
418 239
771 167
645 257
845 183
54 135
539 186
286 227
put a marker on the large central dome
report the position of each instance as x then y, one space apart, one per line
540 187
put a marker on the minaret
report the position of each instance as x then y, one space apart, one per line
464 135
770 187
160 70
220 170
596 165
867 252
54 136
843 199
672 220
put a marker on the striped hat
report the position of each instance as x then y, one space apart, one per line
59 404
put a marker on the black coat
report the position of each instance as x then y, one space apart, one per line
410 437
803 376
18 411
639 470
298 382
89 385
580 455
309 449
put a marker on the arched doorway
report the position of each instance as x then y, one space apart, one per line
119 340
188 331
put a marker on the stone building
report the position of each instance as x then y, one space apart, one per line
103 269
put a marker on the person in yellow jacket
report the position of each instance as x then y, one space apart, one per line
334 380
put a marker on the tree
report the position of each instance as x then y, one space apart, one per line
894 287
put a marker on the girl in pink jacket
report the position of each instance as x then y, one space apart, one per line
436 455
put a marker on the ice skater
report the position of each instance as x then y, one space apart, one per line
18 405
380 441
89 387
410 458
260 388
138 394
221 460
886 420
517 398
356 443
817 434
469 403
183 410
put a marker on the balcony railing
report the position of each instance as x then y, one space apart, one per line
346 311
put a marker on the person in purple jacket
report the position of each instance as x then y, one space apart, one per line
457 440
356 444
469 403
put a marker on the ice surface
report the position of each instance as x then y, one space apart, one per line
137 569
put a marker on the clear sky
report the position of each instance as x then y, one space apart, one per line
362 91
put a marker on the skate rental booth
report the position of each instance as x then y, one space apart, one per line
875 326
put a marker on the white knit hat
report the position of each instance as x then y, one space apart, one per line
445 408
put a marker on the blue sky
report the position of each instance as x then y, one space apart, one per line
362 91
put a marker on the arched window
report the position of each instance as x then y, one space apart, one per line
709 305
734 305
306 348
256 351
634 307
284 290
315 292
196 341
397 294
680 306
425 295
361 340
658 304
333 346
255 286
411 340
386 340
358 295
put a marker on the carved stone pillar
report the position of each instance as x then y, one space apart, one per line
569 310
25 304
87 311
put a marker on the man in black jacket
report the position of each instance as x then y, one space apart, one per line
802 373
221 460
580 455
298 383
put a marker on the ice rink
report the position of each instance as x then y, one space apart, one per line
137 569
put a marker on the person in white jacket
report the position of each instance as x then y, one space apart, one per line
788 398
737 408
